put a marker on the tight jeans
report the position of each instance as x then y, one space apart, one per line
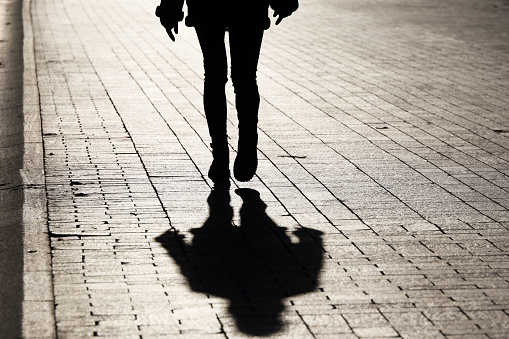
245 44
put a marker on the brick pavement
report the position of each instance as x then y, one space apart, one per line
383 189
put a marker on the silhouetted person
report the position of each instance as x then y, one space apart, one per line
246 21
254 266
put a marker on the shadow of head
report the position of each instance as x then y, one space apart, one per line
262 320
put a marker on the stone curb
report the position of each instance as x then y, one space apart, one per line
38 302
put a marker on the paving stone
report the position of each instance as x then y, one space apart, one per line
376 332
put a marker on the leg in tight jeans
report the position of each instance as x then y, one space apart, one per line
245 45
214 98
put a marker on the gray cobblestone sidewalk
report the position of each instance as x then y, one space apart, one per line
383 175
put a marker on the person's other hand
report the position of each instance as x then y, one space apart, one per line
169 20
170 27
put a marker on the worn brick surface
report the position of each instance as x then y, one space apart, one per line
383 175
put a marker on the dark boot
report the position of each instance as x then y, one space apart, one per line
219 171
246 161
247 101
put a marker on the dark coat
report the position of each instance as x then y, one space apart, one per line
228 13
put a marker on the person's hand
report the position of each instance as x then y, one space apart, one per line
169 19
170 26
283 8
280 16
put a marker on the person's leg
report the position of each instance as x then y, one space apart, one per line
214 98
245 45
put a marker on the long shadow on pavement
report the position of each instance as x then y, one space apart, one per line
254 266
